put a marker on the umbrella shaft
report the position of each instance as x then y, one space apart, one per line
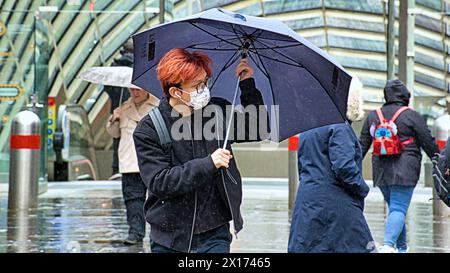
232 115
245 49
121 96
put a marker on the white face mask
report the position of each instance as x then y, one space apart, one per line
198 100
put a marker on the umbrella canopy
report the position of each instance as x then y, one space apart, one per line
119 76
309 87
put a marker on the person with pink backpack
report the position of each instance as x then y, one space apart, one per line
398 134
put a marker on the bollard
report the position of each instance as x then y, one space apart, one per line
441 130
22 225
25 144
292 172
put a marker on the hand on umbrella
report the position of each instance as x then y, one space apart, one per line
221 158
244 70
117 113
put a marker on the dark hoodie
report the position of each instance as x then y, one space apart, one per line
403 169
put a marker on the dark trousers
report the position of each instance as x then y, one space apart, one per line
134 192
217 240
115 158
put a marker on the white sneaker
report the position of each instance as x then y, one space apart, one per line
387 249
116 177
404 250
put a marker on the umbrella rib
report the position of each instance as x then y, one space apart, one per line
215 49
215 36
230 61
287 57
276 47
210 42
276 60
237 35
258 66
241 32
270 81
144 72
312 75
279 40
231 33
265 69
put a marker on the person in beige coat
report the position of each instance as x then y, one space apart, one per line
121 124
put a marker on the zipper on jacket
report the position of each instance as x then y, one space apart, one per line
195 192
193 222
229 203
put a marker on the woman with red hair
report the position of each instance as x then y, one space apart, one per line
194 186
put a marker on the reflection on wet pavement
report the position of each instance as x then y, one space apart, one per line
93 220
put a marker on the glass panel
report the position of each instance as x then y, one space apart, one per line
354 43
371 6
437 63
373 82
428 23
433 4
306 23
253 10
16 71
355 24
421 40
362 63
318 40
429 80
288 5
208 4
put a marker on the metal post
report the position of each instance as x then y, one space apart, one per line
391 41
24 161
22 225
162 11
440 228
292 172
406 45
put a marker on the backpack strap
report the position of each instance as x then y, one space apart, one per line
396 115
399 112
380 116
160 126
408 141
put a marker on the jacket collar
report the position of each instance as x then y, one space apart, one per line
134 113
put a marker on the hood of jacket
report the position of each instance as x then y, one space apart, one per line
395 92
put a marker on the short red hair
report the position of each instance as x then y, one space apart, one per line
179 65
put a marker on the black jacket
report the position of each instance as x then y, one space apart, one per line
173 178
403 169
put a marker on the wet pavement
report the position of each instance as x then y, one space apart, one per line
90 217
